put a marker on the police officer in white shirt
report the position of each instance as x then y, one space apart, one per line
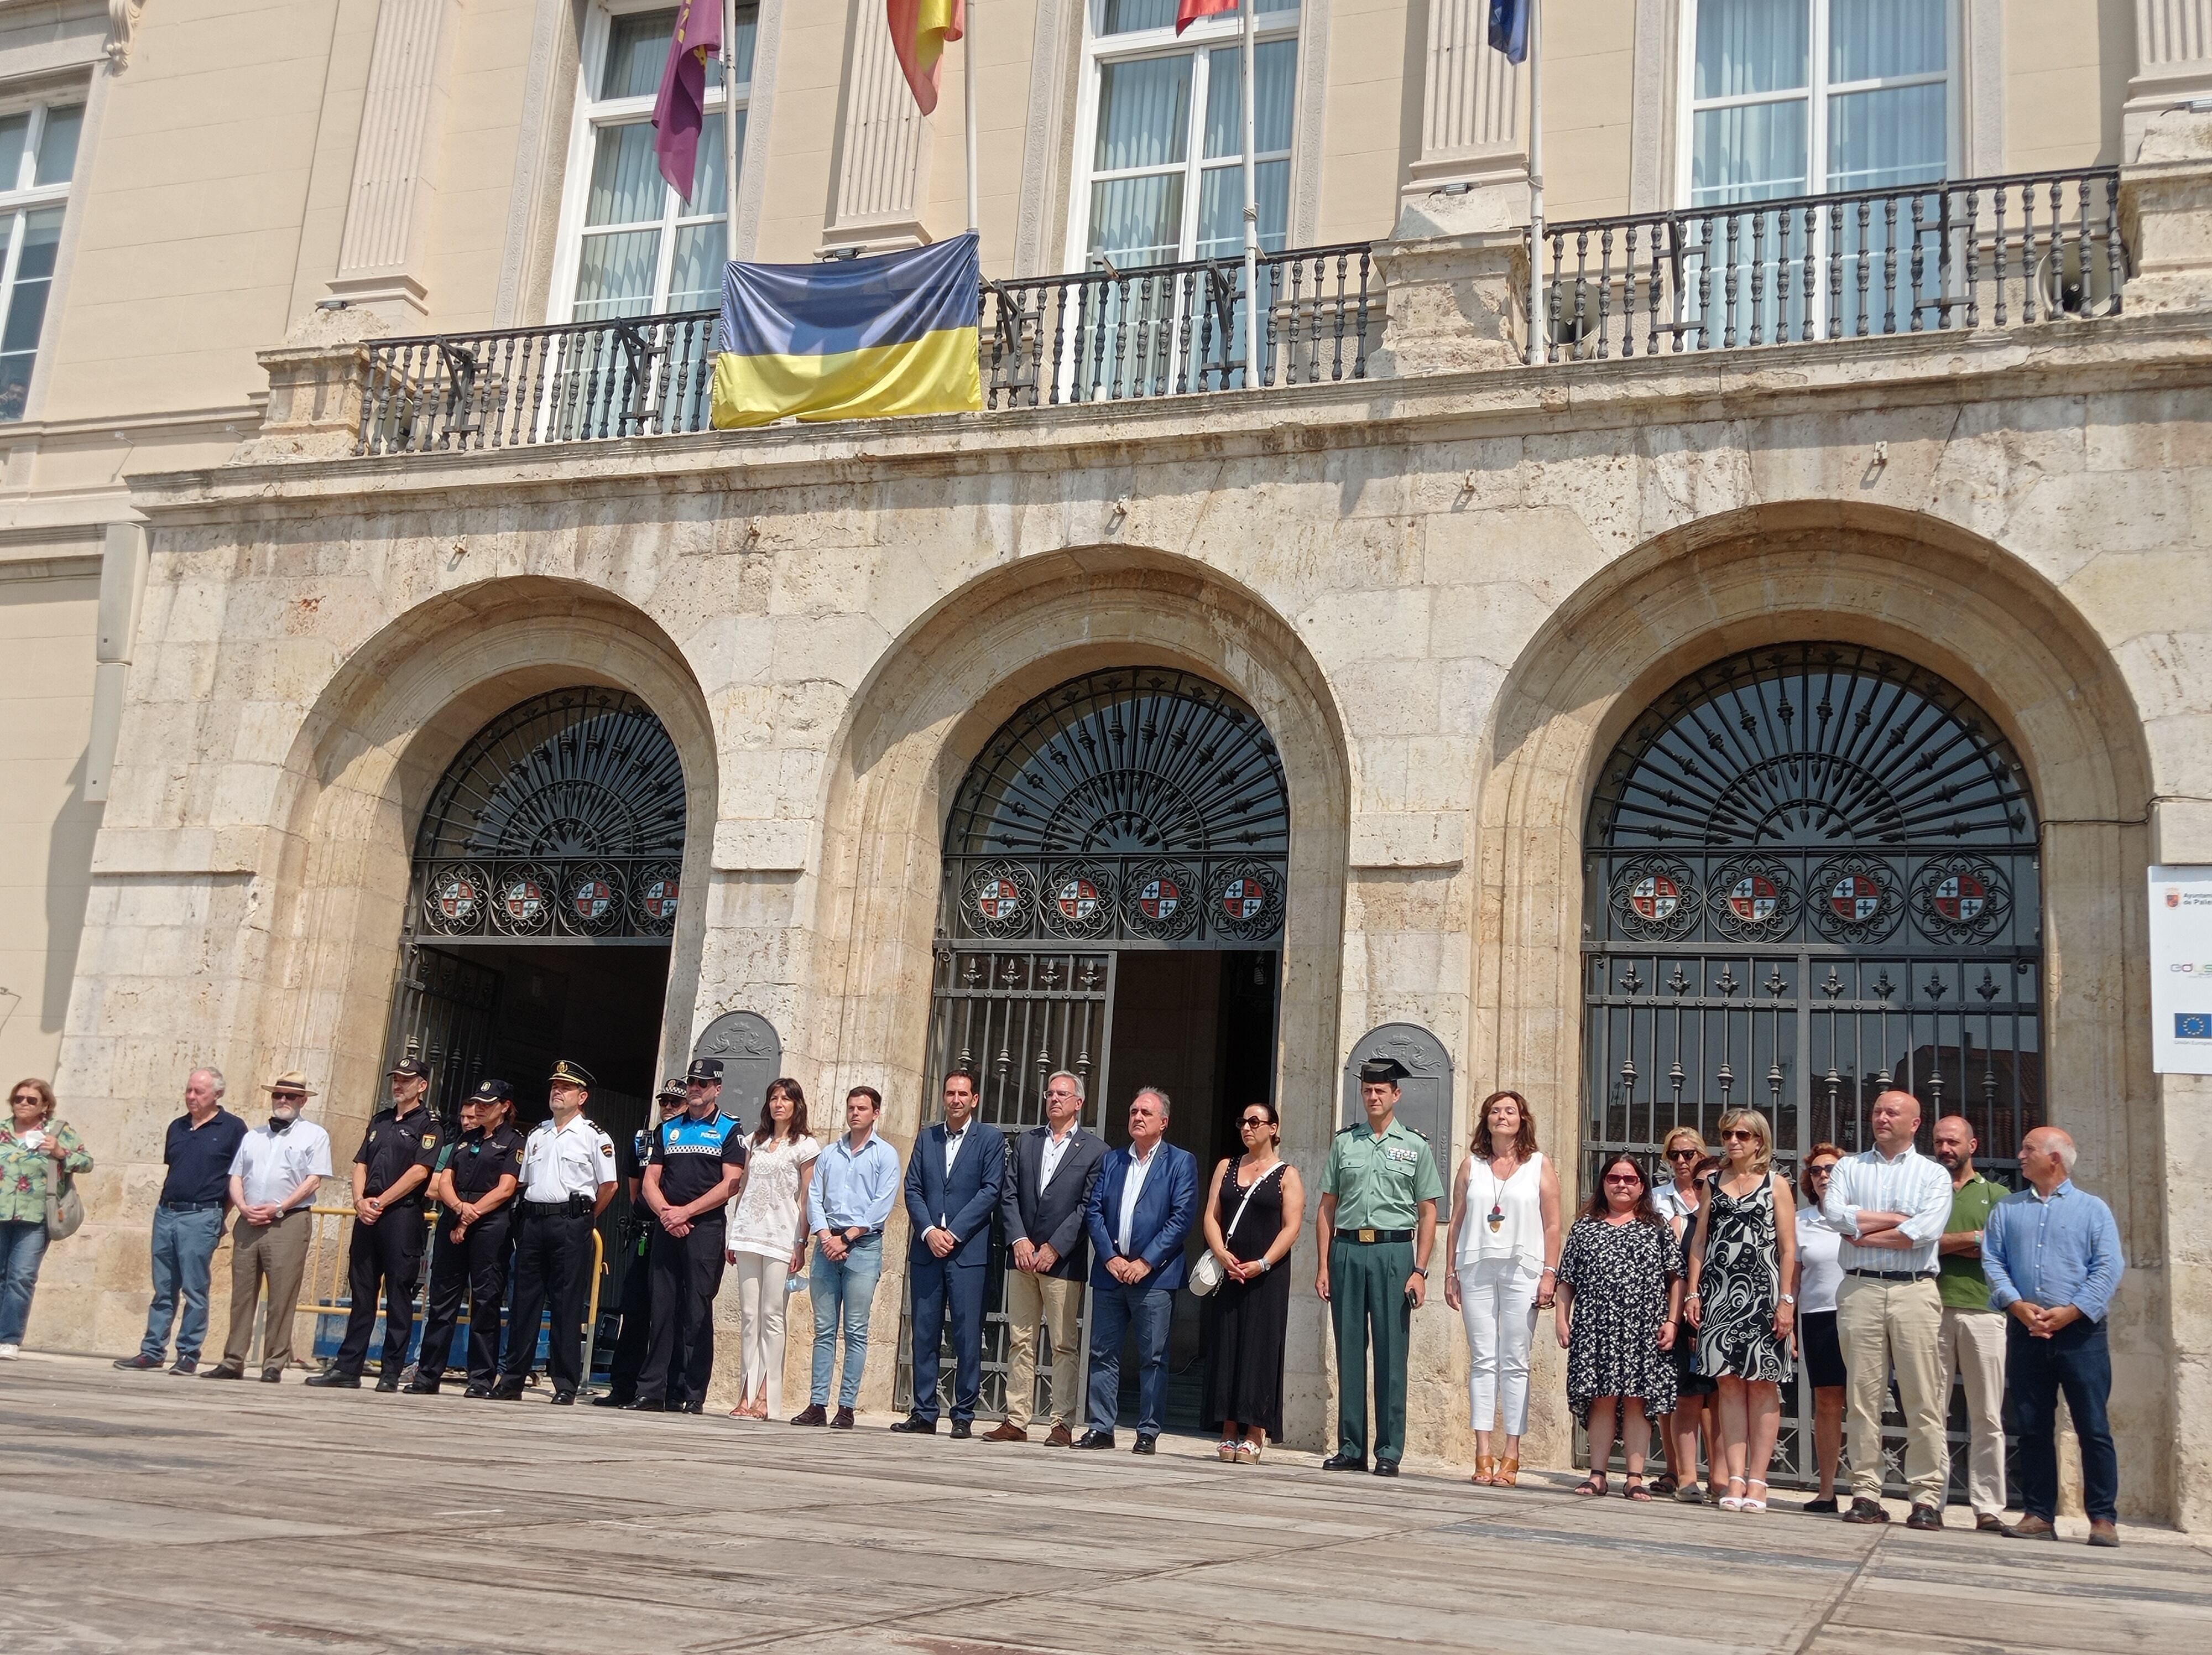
567 1179
273 1179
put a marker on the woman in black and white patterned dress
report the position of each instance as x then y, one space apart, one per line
1745 1247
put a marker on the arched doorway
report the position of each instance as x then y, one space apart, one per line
1114 886
1811 874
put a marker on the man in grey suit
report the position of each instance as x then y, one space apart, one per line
1049 1172
951 1194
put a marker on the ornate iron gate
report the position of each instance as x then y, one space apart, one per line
1811 875
442 1013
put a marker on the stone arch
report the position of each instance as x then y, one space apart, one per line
1921 588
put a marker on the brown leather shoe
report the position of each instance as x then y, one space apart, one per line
1988 1522
841 1420
2103 1532
1005 1431
812 1413
1061 1437
2032 1528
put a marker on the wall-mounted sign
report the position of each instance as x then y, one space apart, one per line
1424 1096
751 1054
2181 970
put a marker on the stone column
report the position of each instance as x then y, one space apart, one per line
2173 65
883 150
2165 216
1452 303
401 115
1472 174
317 381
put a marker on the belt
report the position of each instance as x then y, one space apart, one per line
1894 1275
570 1204
1371 1237
838 1231
189 1206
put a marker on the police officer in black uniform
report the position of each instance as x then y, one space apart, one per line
475 1188
633 1341
391 1172
698 1163
567 1179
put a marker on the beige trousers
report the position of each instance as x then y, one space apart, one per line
761 1299
1973 1347
1055 1303
276 1254
1882 1324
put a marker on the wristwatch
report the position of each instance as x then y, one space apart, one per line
1265 1265
1420 1272
1789 1299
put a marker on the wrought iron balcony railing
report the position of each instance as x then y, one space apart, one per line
1102 335
1965 253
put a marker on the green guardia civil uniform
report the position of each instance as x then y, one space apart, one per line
1379 1183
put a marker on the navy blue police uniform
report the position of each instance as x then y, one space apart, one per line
477 1263
693 1156
388 1252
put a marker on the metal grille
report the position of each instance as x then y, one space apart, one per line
443 1013
1812 876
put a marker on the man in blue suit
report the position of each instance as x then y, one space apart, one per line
1140 1212
952 1182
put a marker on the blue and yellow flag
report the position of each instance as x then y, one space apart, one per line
855 339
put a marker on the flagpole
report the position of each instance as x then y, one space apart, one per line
1251 210
968 98
1540 330
730 122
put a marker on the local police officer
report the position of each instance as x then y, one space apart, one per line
391 1172
475 1188
1378 1223
698 1163
567 1179
632 1343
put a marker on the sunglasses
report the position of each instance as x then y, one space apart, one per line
1622 1177
29 1097
288 1096
1735 1133
1681 1155
1820 1169
1256 1120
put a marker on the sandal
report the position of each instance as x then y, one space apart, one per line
1509 1474
1225 1450
1689 1494
1634 1490
1664 1488
1248 1453
1592 1484
1733 1502
1749 1503
1485 1471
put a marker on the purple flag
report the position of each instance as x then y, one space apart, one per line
680 110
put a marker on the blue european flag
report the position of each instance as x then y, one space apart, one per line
2192 1025
1509 27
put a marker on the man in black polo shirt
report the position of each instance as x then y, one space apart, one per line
198 1150
391 1172
697 1163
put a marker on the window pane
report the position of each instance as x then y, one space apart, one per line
707 197
1138 220
614 278
1752 46
1221 208
1880 139
1753 152
627 187
1276 72
696 282
1871 39
27 308
14 130
1144 113
1126 17
748 26
637 50
57 148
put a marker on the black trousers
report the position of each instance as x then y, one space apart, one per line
687 1274
477 1267
635 1342
552 1266
387 1253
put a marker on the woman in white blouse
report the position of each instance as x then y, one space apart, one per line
768 1243
1819 1274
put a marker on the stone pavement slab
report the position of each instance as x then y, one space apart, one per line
143 1512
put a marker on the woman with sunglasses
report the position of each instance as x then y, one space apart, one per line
1676 1200
1743 1251
1253 1213
35 1150
1620 1296
1820 1274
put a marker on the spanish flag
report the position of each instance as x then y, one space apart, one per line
853 339
920 29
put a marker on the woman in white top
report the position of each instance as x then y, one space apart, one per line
1504 1254
1819 1275
768 1243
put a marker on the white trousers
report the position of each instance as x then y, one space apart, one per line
761 1299
1973 1347
1498 1302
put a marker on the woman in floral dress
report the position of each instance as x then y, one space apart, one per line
1620 1296
35 1150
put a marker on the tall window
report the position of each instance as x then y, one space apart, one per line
38 153
637 247
1164 124
1799 97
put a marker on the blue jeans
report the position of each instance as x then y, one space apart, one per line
2077 1360
842 1291
22 1249
184 1247
1113 1309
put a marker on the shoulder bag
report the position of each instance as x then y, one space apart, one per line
1207 1274
64 1207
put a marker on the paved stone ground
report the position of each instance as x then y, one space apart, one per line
143 1512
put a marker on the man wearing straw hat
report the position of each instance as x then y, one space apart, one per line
273 1179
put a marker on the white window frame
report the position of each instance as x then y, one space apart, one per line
592 113
22 197
1815 93
1197 40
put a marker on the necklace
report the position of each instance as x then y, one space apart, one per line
1496 1217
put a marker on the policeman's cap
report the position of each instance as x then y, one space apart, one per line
574 1075
414 1068
705 1071
672 1090
491 1091
1387 1071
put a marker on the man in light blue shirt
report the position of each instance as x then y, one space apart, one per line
2052 1257
856 1182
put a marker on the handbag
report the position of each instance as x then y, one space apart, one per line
64 1207
1207 1274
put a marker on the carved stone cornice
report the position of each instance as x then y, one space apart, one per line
122 19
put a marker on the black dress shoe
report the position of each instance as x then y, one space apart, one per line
331 1378
564 1399
1867 1511
1386 1468
1822 1507
914 1425
842 1419
141 1363
1344 1463
1924 1516
272 1376
1094 1439
224 1371
691 1407
612 1399
962 1431
812 1413
507 1393
648 1405
419 1388
476 1392
1147 1442
388 1382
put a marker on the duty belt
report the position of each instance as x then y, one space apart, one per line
571 1204
1895 1275
1369 1237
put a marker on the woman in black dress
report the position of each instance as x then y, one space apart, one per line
1620 1291
1253 1211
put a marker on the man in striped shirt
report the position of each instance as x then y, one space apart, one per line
1892 1203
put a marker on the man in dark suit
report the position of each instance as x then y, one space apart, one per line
1140 1212
952 1182
1049 1172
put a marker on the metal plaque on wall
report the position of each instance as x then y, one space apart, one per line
1424 1096
751 1054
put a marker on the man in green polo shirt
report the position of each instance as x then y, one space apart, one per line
1376 1226
1973 1335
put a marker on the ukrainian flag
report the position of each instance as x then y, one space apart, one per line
850 339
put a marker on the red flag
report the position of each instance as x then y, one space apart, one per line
920 29
680 111
1189 11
